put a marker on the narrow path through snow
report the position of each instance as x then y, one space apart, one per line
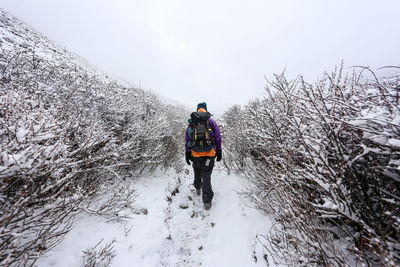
176 231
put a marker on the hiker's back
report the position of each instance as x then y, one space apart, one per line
201 135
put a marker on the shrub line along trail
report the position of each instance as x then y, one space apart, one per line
71 139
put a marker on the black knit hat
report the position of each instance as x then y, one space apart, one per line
202 105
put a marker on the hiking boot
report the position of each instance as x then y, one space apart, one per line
198 192
207 206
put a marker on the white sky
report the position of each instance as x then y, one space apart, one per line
217 51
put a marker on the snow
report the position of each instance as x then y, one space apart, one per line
175 230
21 133
394 142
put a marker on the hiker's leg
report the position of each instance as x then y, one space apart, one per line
197 178
206 174
197 173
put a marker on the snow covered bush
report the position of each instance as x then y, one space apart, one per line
99 256
68 135
235 154
323 158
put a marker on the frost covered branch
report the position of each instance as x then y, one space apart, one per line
99 256
324 159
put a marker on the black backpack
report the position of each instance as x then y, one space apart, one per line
201 135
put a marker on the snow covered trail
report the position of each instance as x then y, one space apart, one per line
175 230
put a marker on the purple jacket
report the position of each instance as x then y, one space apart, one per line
216 133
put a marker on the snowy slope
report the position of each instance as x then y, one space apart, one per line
17 35
176 231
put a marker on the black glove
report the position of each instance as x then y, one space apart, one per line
188 157
218 153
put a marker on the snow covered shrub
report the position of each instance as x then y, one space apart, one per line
324 159
234 154
150 132
49 161
68 136
99 256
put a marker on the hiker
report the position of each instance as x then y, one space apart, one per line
203 145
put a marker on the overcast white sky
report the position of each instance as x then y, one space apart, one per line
217 51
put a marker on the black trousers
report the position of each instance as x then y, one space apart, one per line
203 167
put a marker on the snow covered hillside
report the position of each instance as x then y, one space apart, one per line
68 135
18 36
173 229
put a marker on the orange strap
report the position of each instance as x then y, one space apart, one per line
210 153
